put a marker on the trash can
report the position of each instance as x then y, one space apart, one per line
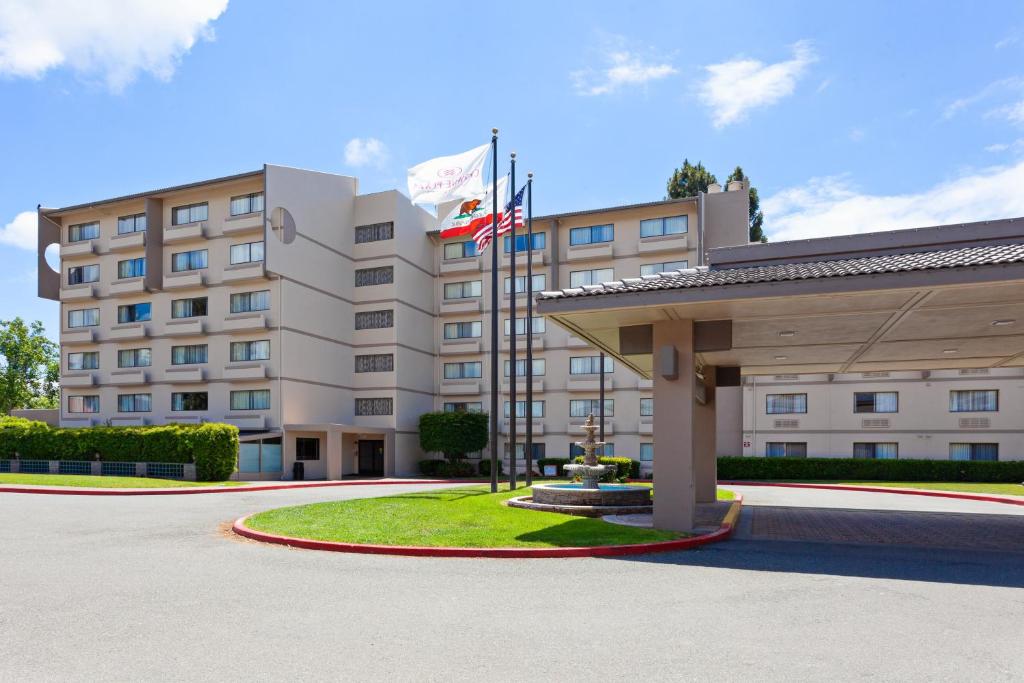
299 471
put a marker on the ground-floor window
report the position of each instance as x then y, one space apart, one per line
538 451
974 451
647 452
464 407
607 450
307 448
876 451
260 456
790 449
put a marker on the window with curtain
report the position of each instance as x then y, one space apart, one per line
189 354
83 404
247 302
590 365
466 370
251 252
134 403
875 402
246 203
134 358
785 404
134 313
190 213
133 267
464 407
591 235
537 410
582 407
463 290
464 330
86 317
189 401
84 360
539 242
655 268
605 451
127 224
646 407
974 451
646 452
786 450
876 451
540 283
671 225
974 401
539 367
454 250
189 260
189 308
250 350
579 278
538 451
538 326
83 231
81 274
250 399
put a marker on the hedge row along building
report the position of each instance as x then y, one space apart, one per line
323 322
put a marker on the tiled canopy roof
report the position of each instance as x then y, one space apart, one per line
870 265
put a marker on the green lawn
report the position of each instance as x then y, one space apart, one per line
965 487
105 482
460 517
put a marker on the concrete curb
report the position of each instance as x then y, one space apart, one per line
723 532
83 491
882 489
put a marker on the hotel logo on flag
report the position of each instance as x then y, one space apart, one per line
446 178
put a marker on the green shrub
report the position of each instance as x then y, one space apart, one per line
858 469
454 434
446 469
625 468
558 462
485 467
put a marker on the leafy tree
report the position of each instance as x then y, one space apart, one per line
29 367
688 180
454 434
756 217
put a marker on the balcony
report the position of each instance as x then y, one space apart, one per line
576 427
244 224
245 371
246 421
461 265
538 386
78 379
78 335
459 346
128 287
128 377
243 272
540 258
576 342
128 331
538 426
241 322
538 343
460 306
78 421
189 278
589 252
454 387
128 241
589 383
184 327
645 384
654 245
129 421
646 427
189 418
189 373
183 233
78 292
83 248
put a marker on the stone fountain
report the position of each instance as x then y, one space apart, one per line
590 472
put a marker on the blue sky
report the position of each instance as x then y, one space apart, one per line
848 117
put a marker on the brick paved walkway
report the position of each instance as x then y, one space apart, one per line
888 527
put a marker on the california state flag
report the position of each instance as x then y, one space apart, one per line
470 215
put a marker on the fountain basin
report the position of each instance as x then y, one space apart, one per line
604 495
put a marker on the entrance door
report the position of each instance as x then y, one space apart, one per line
371 458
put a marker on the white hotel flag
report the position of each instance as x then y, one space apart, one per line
452 177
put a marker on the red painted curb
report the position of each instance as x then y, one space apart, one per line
517 553
881 489
82 491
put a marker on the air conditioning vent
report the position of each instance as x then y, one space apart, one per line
974 371
787 424
874 375
786 378
975 423
874 423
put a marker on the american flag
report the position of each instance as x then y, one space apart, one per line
482 237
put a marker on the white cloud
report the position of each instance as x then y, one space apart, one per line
1016 145
113 40
622 67
833 206
735 87
992 90
1014 113
365 152
856 134
21 232
1009 40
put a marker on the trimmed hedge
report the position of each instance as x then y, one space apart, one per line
558 462
626 468
445 468
455 434
862 469
213 447
485 467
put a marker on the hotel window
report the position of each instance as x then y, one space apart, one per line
590 365
307 448
463 290
189 308
778 449
538 408
83 404
127 224
190 213
374 406
463 330
538 451
454 250
134 403
250 399
672 225
538 326
376 362
540 283
582 407
133 267
974 401
189 354
974 451
467 370
250 350
876 402
134 358
374 320
538 367
246 302
578 278
376 232
540 240
785 404
367 277
246 203
79 275
251 252
464 407
647 452
655 268
591 235
647 407
189 260
189 401
83 231
876 451
134 313
87 317
84 360
605 451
